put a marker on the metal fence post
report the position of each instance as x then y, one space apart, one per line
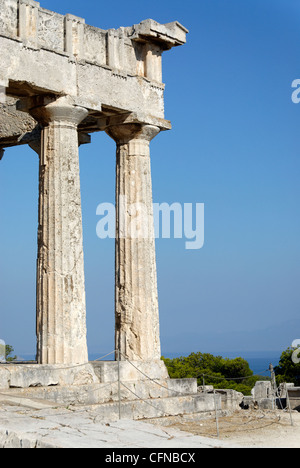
217 418
289 404
119 383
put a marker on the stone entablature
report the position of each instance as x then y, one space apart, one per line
107 72
134 50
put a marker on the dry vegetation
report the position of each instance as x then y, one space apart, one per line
248 428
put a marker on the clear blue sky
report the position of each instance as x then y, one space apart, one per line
234 147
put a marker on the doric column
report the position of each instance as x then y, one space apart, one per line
61 310
136 300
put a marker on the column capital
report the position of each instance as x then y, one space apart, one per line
47 109
107 122
124 133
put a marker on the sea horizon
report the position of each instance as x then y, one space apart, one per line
259 361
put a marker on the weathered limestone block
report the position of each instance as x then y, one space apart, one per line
9 18
16 127
231 399
61 54
33 376
262 390
28 22
51 30
74 36
108 371
95 45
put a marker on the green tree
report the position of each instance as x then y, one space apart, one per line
287 370
8 353
221 373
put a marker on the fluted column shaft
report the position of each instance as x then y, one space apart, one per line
136 299
61 309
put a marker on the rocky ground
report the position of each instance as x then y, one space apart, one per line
267 429
38 425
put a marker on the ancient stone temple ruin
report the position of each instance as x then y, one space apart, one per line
62 80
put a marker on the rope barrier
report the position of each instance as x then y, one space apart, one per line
182 393
229 378
57 366
153 380
102 357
